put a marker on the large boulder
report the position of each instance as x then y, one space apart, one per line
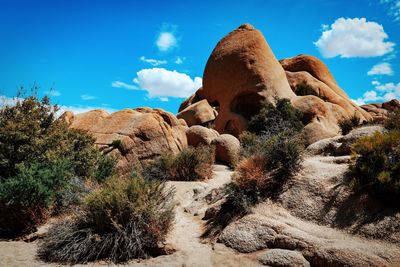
200 135
226 149
240 72
133 135
198 113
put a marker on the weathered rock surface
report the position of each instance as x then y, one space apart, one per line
341 145
226 149
143 133
283 258
274 228
198 113
199 135
379 112
300 69
240 72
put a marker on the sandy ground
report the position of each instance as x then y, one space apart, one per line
191 250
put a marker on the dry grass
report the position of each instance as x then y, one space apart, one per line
251 173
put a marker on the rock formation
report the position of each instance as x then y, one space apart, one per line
379 112
133 135
242 71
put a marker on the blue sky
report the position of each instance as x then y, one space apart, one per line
125 54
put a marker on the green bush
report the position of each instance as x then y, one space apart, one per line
304 88
190 164
393 121
377 165
25 197
32 176
125 219
105 168
275 119
346 125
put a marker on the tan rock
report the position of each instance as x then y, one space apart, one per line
198 113
380 111
240 72
226 149
345 106
144 133
199 135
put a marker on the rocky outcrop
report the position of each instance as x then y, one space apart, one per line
271 227
379 112
242 71
309 70
133 135
199 113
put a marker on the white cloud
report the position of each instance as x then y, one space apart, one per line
53 92
8 101
81 109
11 101
381 92
179 60
381 69
159 82
354 38
375 83
88 97
119 84
166 41
153 62
163 99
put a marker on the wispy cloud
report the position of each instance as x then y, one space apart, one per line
162 83
179 60
393 8
119 84
53 93
381 92
88 97
355 37
153 62
381 69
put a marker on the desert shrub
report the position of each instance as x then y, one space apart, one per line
105 168
125 219
116 143
190 164
250 173
346 125
377 165
273 119
304 88
32 142
393 121
269 157
25 197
